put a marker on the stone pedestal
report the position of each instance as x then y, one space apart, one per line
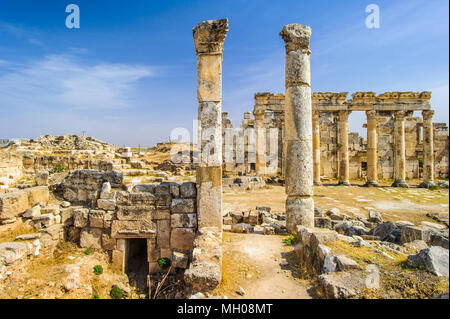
428 150
316 148
399 155
209 37
344 165
372 175
298 128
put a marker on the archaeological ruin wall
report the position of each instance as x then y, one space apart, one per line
104 216
376 155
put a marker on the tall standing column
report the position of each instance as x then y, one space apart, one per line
298 128
428 149
209 37
260 164
344 164
372 175
400 155
316 147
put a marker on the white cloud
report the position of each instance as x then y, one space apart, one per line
61 81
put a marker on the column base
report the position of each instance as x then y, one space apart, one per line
372 184
344 183
427 184
317 183
400 183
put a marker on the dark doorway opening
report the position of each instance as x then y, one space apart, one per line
364 166
136 266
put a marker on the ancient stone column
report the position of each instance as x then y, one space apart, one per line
372 175
209 37
316 147
344 165
298 128
399 154
260 164
428 149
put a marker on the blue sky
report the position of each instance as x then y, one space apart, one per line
128 76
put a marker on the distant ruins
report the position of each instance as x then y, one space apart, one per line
399 146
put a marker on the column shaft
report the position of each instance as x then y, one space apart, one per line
209 37
428 149
260 143
298 128
344 165
400 155
372 175
316 147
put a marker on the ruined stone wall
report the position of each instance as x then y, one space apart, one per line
441 147
243 183
33 164
164 214
328 144
10 168
329 157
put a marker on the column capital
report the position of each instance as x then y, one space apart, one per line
209 36
296 37
371 114
399 115
427 114
343 115
259 114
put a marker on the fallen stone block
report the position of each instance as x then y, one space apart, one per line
387 232
322 222
242 228
32 212
13 204
434 259
12 252
411 233
28 236
439 240
345 263
375 217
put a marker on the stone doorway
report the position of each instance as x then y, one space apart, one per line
136 263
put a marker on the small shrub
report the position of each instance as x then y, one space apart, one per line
56 169
164 263
97 296
289 241
98 270
116 292
88 251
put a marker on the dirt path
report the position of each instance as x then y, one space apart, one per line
259 264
